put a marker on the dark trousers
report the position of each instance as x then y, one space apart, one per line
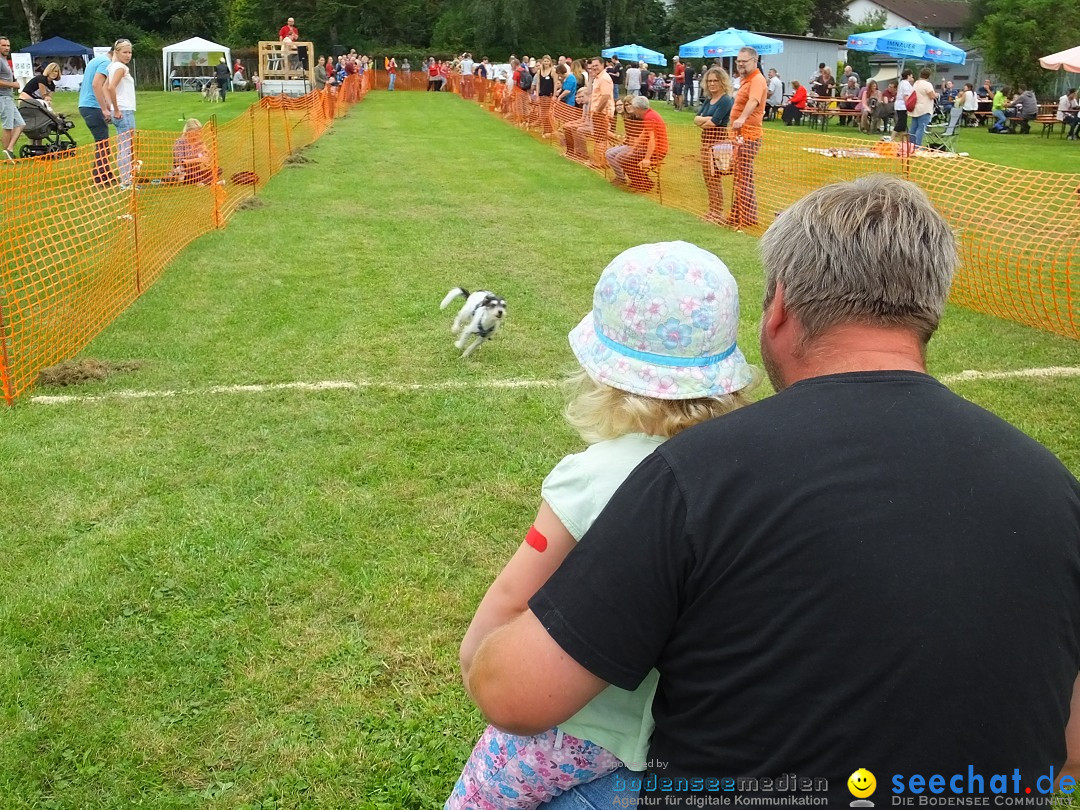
99 128
792 114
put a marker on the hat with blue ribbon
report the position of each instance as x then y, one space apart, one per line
664 321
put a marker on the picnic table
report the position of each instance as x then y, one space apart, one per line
819 109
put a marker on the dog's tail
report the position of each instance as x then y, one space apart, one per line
454 293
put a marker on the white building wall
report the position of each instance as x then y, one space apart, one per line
800 59
858 10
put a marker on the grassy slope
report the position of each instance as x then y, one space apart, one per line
255 600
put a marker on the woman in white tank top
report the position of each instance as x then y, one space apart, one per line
122 86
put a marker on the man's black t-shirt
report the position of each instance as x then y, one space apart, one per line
614 71
864 570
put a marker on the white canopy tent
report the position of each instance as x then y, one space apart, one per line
193 53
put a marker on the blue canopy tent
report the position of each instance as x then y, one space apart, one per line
908 42
635 53
728 43
57 46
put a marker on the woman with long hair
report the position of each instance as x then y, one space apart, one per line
42 86
122 87
545 94
717 154
868 102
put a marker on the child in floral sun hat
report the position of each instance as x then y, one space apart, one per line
657 355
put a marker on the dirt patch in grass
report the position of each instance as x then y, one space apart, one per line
297 159
250 202
76 372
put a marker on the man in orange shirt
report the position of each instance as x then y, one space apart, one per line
746 117
648 149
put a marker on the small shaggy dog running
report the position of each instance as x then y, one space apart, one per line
212 92
479 318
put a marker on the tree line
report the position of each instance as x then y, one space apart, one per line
1011 33
495 27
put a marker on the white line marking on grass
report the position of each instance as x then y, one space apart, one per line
1020 373
324 385
461 385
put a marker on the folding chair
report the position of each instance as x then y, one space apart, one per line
937 137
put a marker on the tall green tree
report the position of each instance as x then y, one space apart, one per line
1013 34
605 23
860 61
828 15
696 18
79 20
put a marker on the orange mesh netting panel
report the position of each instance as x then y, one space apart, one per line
1018 230
79 247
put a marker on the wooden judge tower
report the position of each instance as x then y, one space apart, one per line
286 67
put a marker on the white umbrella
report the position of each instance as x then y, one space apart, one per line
1070 60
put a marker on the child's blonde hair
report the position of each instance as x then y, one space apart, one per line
599 412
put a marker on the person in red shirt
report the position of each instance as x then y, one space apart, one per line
647 150
677 89
289 32
746 118
793 110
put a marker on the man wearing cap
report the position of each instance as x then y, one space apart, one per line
862 571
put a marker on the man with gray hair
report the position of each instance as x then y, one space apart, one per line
630 161
862 571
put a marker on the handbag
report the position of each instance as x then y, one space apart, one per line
911 101
723 156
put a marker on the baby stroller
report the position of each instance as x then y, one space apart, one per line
49 132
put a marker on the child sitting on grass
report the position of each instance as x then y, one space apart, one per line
657 355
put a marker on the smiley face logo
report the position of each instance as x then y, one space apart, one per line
861 783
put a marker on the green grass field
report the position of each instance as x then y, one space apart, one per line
161 111
232 599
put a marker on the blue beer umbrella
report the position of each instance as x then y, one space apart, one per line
908 42
728 43
635 53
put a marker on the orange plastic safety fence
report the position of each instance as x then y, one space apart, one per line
1018 230
89 230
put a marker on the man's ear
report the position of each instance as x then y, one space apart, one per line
775 316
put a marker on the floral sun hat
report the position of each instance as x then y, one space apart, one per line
664 322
